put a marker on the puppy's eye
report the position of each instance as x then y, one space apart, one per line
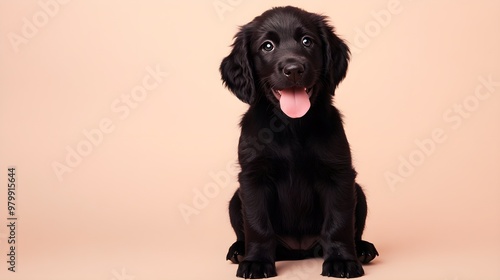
307 41
267 46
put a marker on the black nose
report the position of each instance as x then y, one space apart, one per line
293 71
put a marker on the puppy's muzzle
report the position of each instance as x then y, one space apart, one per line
293 72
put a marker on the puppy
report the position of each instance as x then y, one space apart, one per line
297 197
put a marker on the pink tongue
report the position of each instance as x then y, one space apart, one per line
294 102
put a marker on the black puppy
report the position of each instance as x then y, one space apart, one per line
297 197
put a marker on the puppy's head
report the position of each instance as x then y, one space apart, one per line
289 57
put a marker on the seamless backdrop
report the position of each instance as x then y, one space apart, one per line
124 139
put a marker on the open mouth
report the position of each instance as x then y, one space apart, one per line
277 93
294 101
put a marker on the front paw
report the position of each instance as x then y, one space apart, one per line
256 270
342 269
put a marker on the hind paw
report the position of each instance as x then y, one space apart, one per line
366 251
236 252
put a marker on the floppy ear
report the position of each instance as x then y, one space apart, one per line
236 69
336 54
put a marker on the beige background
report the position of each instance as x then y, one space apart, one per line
116 214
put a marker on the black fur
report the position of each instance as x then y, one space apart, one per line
298 197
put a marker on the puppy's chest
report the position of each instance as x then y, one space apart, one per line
295 174
295 188
297 203
296 192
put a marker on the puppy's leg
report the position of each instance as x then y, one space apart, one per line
260 240
339 203
365 250
237 250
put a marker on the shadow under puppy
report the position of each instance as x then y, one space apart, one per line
297 197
